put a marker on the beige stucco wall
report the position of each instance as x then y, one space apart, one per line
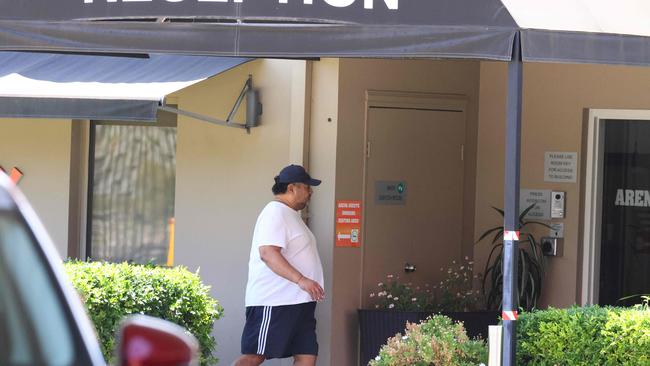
40 148
224 178
322 164
355 77
555 98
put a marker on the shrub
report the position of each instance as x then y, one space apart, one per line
435 341
590 335
455 292
111 291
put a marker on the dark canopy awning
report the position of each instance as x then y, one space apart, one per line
42 85
296 28
558 31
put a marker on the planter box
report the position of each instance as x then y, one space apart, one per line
376 326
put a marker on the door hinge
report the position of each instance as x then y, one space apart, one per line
367 149
462 152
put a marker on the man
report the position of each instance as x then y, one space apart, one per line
285 277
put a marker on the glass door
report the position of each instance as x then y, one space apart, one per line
625 229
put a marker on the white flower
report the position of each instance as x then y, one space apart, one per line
376 306
405 337
395 298
390 306
380 284
372 294
379 358
414 299
389 276
389 296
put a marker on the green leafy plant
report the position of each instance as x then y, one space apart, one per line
110 291
435 341
583 336
530 271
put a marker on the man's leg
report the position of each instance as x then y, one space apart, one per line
249 360
304 360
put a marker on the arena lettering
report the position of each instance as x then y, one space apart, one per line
632 198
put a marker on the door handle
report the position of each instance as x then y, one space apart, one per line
408 267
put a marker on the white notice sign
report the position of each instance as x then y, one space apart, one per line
560 167
542 200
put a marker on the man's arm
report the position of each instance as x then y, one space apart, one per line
272 256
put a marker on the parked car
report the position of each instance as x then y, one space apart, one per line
42 319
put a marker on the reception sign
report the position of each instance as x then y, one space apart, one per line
261 28
404 12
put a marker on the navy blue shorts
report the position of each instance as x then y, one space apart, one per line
280 331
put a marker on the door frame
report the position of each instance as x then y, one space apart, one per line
593 185
400 100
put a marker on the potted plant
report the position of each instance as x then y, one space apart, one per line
530 271
394 303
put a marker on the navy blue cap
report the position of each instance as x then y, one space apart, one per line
296 174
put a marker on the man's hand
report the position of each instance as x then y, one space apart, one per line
312 288
272 256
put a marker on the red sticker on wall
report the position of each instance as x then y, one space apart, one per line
348 224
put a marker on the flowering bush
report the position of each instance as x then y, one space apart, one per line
435 341
454 293
399 296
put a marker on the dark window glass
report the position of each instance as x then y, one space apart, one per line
625 236
133 177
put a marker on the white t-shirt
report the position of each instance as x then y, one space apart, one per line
280 225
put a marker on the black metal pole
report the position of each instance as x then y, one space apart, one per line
511 205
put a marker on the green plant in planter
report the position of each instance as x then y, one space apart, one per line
530 271
435 341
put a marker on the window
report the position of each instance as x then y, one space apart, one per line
132 178
35 328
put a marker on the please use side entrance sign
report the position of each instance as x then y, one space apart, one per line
348 224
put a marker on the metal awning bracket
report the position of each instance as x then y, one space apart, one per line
253 109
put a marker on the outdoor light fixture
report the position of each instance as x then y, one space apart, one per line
253 109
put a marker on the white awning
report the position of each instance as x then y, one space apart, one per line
584 31
34 85
631 17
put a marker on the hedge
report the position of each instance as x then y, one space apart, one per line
110 291
590 335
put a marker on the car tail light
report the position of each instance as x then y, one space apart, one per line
144 341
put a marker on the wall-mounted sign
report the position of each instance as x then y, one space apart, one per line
390 192
542 200
348 224
560 167
15 175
